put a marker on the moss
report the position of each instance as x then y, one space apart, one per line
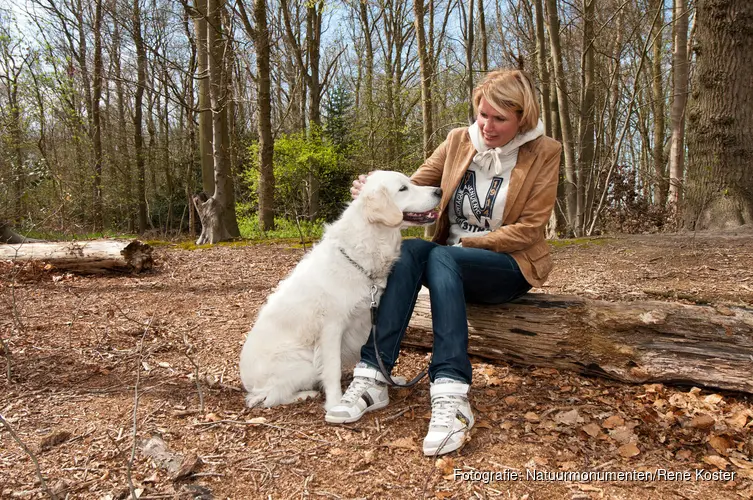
581 242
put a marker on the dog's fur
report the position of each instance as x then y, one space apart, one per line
318 318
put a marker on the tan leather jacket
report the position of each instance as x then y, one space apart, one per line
530 199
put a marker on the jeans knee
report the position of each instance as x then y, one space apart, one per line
414 250
440 264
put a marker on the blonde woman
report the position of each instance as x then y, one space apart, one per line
499 184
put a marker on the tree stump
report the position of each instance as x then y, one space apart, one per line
637 342
96 256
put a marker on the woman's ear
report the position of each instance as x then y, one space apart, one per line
380 209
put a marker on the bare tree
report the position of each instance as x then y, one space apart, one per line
680 71
571 202
259 33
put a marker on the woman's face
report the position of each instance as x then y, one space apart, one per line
497 128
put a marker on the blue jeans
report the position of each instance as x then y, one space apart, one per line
453 276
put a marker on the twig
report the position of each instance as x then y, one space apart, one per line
239 422
6 351
31 455
189 348
136 409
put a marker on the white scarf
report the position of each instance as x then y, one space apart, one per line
493 158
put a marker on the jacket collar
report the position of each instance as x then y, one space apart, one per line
464 157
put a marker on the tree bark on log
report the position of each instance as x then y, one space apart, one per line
636 342
96 256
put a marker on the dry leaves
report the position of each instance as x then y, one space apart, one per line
628 450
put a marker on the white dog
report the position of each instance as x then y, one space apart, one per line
318 318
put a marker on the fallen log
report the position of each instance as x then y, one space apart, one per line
636 342
96 256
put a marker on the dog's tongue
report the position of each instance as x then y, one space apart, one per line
421 217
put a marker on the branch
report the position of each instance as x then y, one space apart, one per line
18 440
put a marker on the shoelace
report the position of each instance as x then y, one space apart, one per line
443 410
356 388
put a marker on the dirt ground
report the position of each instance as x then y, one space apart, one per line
83 346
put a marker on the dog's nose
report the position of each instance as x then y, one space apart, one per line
438 192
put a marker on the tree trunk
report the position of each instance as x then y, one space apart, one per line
635 342
586 129
95 256
138 115
217 214
484 40
260 34
571 194
99 221
661 184
426 75
720 151
205 110
8 235
542 68
680 70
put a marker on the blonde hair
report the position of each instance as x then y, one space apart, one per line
510 90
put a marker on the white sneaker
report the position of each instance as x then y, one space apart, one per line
451 417
367 392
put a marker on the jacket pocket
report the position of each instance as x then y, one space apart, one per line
541 260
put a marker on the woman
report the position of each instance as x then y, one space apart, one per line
499 184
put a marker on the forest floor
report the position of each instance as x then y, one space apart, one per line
83 346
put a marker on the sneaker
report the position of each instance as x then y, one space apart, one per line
451 417
367 392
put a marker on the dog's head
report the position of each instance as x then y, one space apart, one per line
390 198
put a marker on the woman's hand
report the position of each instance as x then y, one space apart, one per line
355 189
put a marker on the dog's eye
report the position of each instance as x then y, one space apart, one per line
403 188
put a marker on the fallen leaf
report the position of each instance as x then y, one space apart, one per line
739 419
494 381
591 429
513 400
684 454
483 424
703 422
446 465
406 443
569 465
720 444
190 463
571 417
716 461
54 439
613 422
336 451
536 462
653 387
257 420
212 417
743 464
531 417
628 450
622 435
713 399
507 425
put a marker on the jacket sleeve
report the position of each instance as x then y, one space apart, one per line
529 227
430 173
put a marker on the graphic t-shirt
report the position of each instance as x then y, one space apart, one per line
478 204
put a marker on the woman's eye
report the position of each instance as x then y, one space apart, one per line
403 188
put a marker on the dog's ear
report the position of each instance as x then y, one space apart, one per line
379 208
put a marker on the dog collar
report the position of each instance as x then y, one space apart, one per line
356 264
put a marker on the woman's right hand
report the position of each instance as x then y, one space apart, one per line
355 189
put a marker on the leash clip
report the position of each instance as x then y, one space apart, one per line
373 295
